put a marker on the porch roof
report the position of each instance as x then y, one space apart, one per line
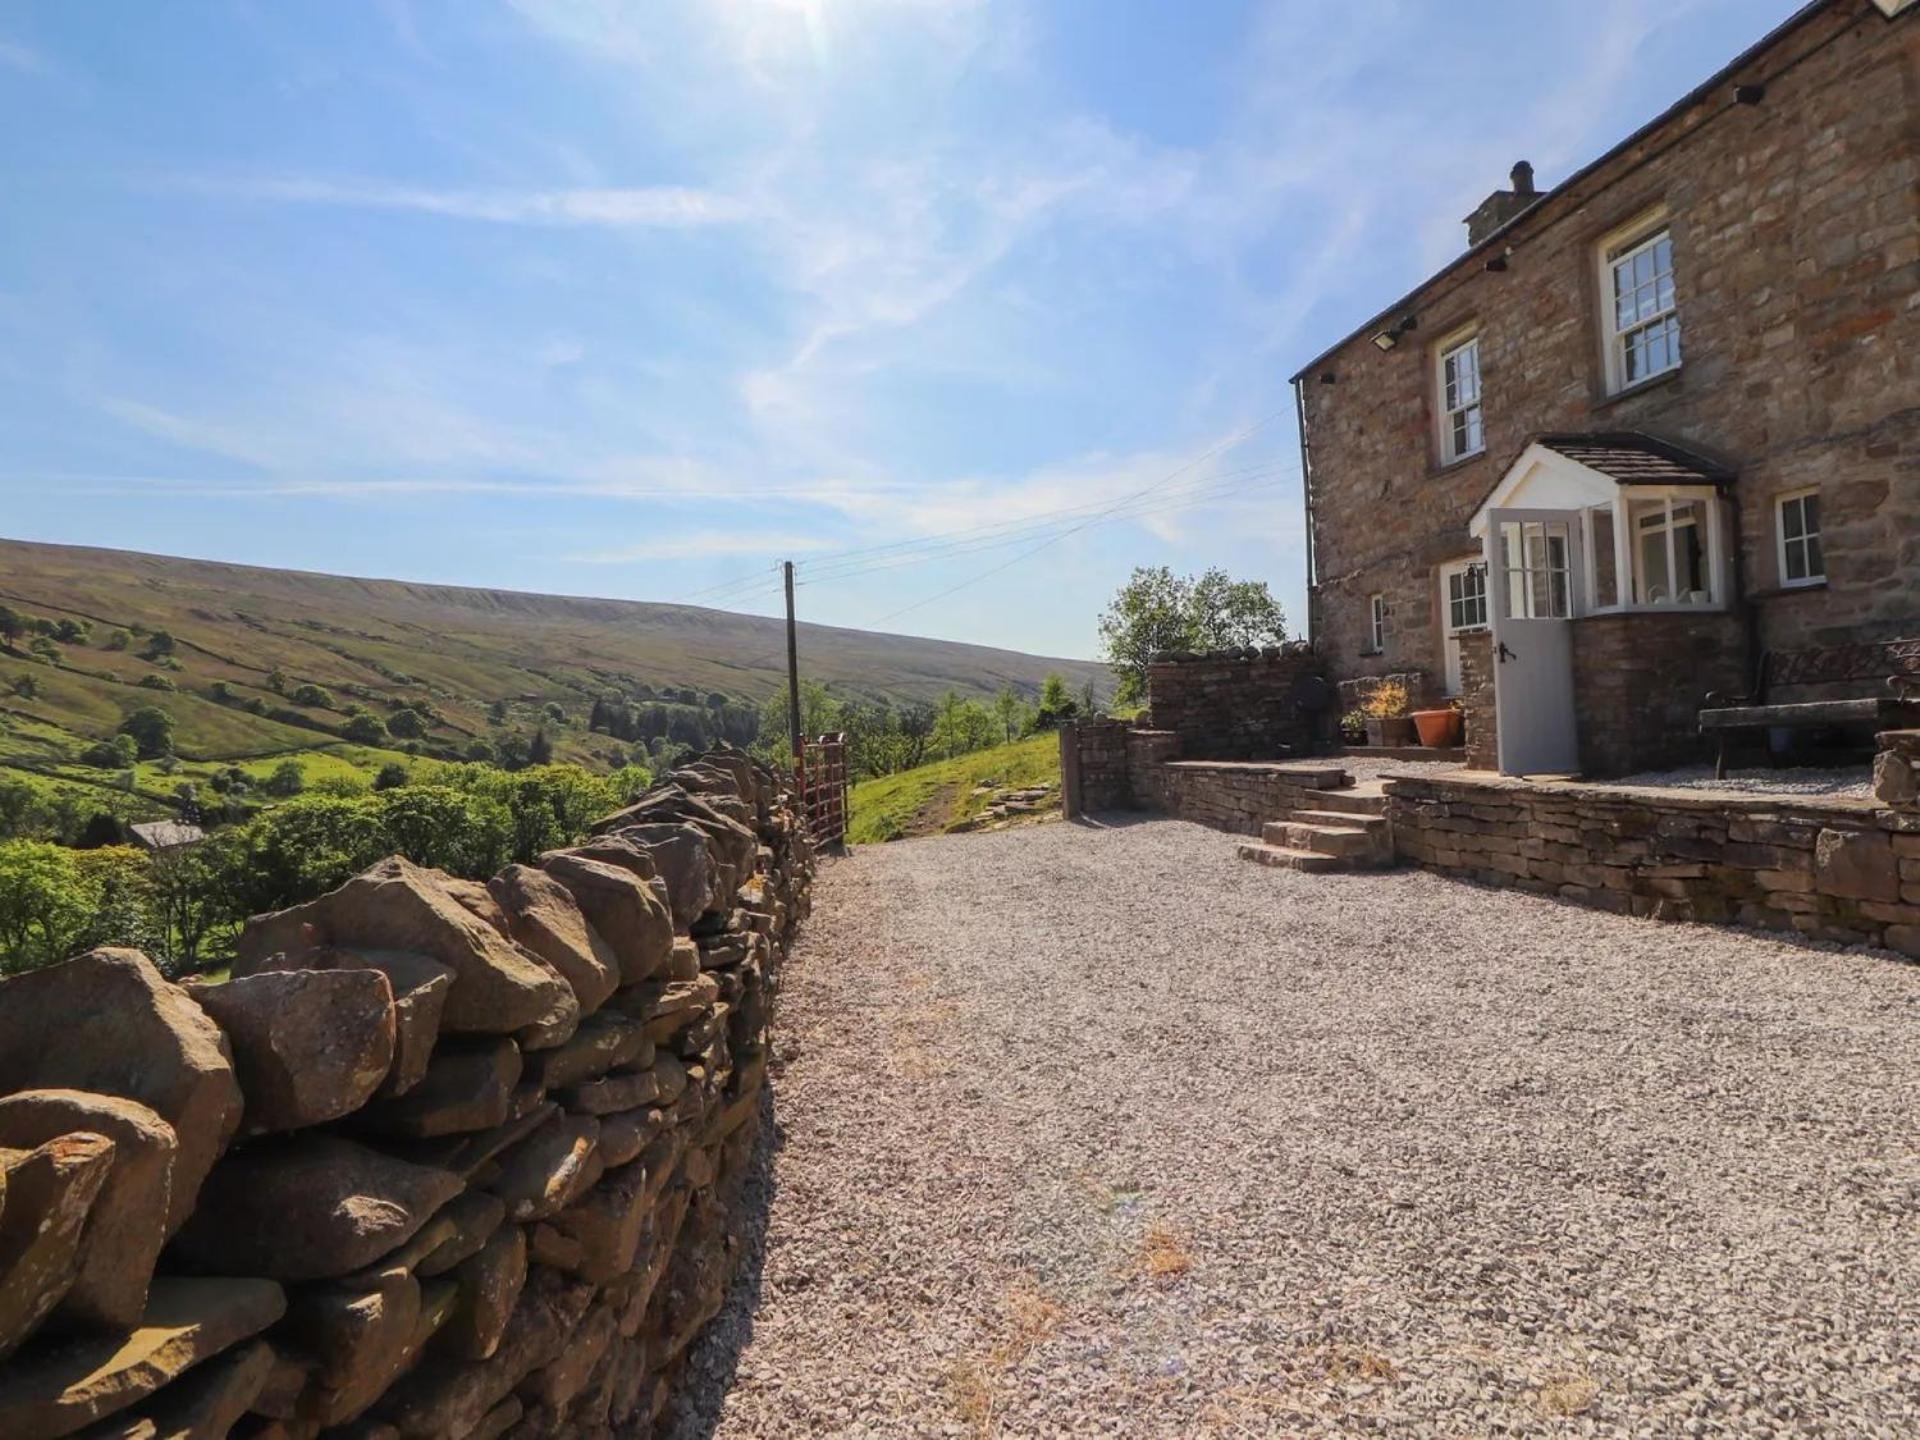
1632 458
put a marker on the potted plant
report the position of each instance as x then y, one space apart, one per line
1440 729
1353 728
1385 708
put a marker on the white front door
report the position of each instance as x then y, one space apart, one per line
1533 559
1463 609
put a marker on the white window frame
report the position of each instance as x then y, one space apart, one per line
1377 623
1623 245
1781 542
1450 632
1460 342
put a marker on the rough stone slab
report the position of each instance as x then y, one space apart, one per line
624 1135
609 1220
50 1193
489 1287
603 1042
127 1226
499 988
545 1172
54 1389
625 910
1856 864
473 1217
309 1045
619 1091
469 1086
544 918
468 1155
559 1383
106 1022
683 859
309 1207
420 987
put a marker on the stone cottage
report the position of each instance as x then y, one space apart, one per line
1655 422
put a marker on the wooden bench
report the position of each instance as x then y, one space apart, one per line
1892 666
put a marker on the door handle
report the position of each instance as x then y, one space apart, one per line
1505 654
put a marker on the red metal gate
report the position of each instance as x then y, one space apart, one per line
823 788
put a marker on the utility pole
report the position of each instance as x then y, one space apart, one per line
793 678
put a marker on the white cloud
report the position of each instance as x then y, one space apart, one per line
644 207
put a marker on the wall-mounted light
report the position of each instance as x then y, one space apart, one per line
1390 337
1498 264
1749 94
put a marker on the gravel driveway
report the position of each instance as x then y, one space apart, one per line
1101 1131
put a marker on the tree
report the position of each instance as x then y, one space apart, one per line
157 682
554 712
116 754
20 808
159 645
118 640
392 776
497 713
12 624
220 693
277 680
73 632
1009 711
314 697
26 687
1157 612
41 648
152 731
45 903
406 724
286 779
540 748
365 729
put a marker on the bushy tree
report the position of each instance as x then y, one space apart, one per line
152 731
314 697
73 632
365 729
406 724
157 682
1157 612
45 903
12 624
392 776
285 780
160 644
117 640
27 687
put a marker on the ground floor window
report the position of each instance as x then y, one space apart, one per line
1464 598
1801 562
1670 552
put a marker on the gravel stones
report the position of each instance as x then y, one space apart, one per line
1200 1149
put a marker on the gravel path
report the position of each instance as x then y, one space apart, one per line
1853 782
1101 1131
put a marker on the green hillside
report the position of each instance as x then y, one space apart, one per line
951 794
255 664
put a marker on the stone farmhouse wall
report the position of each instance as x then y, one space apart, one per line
1847 871
1795 222
1235 705
441 1159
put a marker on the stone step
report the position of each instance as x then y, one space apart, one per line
1350 819
1339 840
1279 857
1348 803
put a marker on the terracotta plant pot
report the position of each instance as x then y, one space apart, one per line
1438 729
1391 732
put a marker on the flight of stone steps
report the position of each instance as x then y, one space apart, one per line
1338 830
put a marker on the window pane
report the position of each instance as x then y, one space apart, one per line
1810 510
1816 562
1796 553
1792 519
1606 588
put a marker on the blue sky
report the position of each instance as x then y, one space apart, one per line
637 297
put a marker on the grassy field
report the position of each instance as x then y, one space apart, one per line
943 795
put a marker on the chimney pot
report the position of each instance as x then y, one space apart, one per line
1523 178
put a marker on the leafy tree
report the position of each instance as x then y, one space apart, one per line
41 648
119 753
220 693
117 640
12 624
497 713
159 644
406 724
479 752
152 731
286 779
1157 612
191 894
555 712
20 808
45 903
26 687
314 697
540 748
303 848
392 776
157 682
277 680
365 729
73 632
1056 705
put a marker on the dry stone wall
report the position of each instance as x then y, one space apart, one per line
1840 870
1233 705
440 1159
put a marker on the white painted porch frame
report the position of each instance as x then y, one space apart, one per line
1544 479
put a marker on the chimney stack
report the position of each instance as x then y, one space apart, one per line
1502 205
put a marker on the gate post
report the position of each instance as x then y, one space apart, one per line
1072 803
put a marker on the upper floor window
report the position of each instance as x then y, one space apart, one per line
1801 562
1377 623
1461 430
1642 308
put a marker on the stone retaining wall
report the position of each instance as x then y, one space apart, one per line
441 1159
1839 870
1093 767
1235 706
1235 796
1896 770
